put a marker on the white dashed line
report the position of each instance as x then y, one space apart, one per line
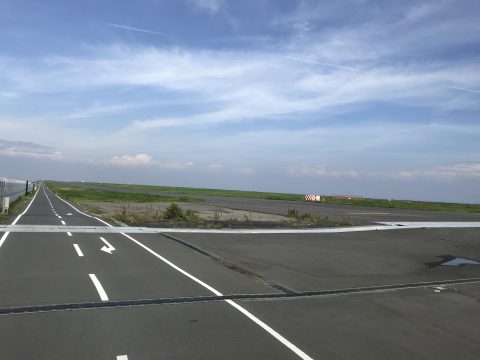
69 233
63 222
236 306
77 248
122 357
99 287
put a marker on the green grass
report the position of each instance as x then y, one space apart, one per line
16 208
211 192
399 204
406 204
309 219
80 194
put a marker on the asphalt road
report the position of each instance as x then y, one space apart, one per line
365 295
358 215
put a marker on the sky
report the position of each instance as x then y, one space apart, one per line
361 97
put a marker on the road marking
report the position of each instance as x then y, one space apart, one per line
79 252
69 233
5 235
63 222
80 212
109 248
252 317
99 287
24 211
59 216
122 357
145 230
244 311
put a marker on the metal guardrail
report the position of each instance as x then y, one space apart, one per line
11 190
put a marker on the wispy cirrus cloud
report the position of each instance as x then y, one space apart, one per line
24 149
440 172
132 28
239 85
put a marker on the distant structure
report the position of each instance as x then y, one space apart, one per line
348 197
311 197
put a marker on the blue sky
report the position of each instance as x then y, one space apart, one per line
376 98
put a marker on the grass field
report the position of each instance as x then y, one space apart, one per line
211 192
407 204
384 203
79 195
15 208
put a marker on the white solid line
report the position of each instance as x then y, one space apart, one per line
69 233
63 222
122 357
79 252
4 236
244 311
80 212
28 207
99 287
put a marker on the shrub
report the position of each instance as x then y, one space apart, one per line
174 212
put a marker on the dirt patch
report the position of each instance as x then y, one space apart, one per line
204 212
198 215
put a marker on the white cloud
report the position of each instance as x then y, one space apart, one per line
320 170
135 160
176 165
441 172
237 86
211 6
29 150
243 170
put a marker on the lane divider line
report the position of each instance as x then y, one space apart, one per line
99 287
69 233
5 235
122 357
63 222
244 311
81 212
79 251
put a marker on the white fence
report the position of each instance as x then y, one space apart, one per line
11 190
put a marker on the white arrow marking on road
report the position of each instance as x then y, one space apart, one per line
122 357
109 248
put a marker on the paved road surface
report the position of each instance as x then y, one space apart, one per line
224 296
352 213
